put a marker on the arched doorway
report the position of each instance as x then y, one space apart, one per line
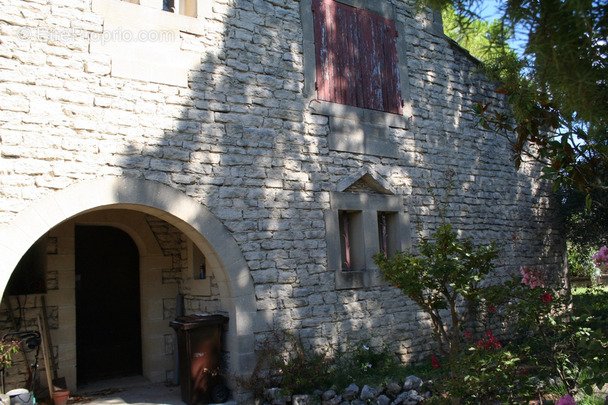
197 223
108 315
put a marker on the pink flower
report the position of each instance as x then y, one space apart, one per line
601 258
468 335
566 400
492 309
546 298
532 276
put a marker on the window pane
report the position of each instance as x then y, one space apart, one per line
351 240
387 233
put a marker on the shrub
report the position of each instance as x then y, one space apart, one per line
580 261
7 349
362 364
285 362
444 279
569 345
491 373
446 275
305 371
590 317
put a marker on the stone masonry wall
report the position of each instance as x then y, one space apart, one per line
25 312
173 244
242 140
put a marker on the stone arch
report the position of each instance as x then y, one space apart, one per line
193 219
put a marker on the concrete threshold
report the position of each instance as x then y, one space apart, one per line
130 390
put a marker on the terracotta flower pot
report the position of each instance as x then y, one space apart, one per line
60 396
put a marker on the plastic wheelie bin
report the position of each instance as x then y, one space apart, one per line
199 347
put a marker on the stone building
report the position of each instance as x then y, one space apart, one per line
274 145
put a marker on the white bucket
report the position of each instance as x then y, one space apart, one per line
21 396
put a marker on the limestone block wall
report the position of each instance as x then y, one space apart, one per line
239 132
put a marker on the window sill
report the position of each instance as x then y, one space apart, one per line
347 280
360 114
151 17
198 287
144 43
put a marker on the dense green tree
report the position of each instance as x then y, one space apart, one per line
585 227
484 39
557 88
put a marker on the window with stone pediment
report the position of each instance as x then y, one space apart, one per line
365 218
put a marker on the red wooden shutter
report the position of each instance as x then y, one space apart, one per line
356 57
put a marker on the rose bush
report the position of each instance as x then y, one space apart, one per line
447 278
560 343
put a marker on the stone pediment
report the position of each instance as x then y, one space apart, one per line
366 181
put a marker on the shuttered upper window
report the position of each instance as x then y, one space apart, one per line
356 57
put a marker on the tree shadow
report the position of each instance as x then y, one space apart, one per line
246 146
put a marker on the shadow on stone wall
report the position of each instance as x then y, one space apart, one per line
246 147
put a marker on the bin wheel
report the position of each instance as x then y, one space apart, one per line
219 393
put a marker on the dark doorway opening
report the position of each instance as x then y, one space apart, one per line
108 316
